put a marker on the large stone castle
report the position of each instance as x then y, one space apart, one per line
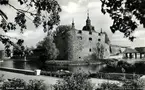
79 44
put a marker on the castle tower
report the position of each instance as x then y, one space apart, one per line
88 26
73 24
101 31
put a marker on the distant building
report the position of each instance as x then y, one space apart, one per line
138 52
141 51
79 44
117 49
130 53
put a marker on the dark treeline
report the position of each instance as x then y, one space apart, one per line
124 67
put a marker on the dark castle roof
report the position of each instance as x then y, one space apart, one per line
140 49
130 50
88 26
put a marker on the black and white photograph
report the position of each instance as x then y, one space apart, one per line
72 44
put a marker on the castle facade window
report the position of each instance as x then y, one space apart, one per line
90 33
90 39
99 34
90 49
99 39
79 32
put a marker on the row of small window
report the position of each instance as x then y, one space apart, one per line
79 37
80 32
90 39
91 50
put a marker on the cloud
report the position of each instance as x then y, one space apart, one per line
71 7
33 37
94 4
139 33
13 34
30 37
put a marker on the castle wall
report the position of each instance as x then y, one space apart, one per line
78 44
85 42
72 44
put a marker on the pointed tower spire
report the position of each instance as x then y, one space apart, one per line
88 14
101 30
88 21
73 24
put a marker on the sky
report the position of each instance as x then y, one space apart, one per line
77 10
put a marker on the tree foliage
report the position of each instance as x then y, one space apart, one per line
126 15
20 84
49 47
109 86
38 17
117 66
127 85
19 48
61 39
21 51
99 51
62 29
77 81
38 12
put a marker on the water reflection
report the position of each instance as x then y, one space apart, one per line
34 65
85 69
20 64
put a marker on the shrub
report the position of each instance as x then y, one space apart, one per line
127 85
1 78
14 84
36 85
140 67
109 86
137 67
77 81
133 85
20 84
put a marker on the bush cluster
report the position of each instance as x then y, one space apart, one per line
116 67
127 85
20 84
77 81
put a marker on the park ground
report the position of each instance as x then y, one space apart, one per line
49 81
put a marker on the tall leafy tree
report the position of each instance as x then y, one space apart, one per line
126 15
7 50
49 49
19 48
61 40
